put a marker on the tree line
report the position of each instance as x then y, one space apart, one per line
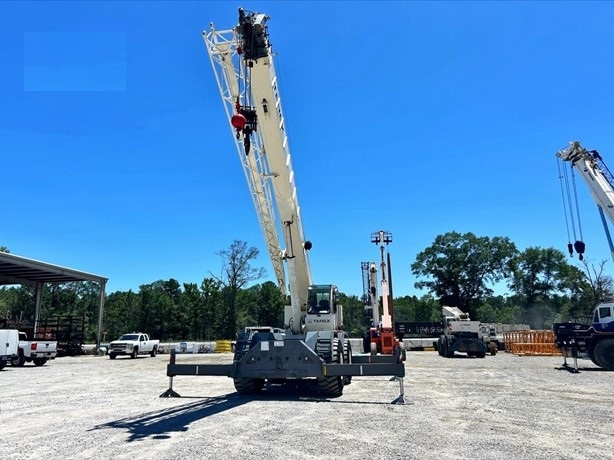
459 270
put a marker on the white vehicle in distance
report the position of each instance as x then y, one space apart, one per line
134 344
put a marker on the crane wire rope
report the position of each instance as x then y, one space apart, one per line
561 175
567 199
575 194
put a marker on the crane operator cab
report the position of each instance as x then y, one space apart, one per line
603 317
323 309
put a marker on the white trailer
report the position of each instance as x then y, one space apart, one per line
9 344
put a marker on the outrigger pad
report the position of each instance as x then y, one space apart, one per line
170 393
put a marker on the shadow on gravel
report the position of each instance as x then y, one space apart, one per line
159 424
300 391
572 370
305 391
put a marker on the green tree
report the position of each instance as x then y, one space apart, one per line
599 286
260 305
237 272
211 297
122 313
538 275
161 314
192 310
412 308
499 309
460 268
18 305
354 319
270 304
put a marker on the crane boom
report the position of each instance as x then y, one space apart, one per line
598 178
243 63
595 174
222 49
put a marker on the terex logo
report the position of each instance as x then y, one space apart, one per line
320 321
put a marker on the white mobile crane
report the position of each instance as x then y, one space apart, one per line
314 344
460 334
596 339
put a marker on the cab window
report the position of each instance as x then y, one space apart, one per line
605 312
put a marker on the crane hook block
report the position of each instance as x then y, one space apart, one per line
570 249
579 246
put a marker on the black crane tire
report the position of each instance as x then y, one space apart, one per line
604 354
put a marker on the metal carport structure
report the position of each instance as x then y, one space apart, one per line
21 270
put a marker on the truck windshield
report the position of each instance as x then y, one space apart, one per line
129 337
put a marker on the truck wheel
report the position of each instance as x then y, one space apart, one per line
347 359
403 352
39 361
591 354
112 355
19 361
247 386
153 352
332 386
135 353
604 354
2 364
449 351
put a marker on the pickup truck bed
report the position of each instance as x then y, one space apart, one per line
36 351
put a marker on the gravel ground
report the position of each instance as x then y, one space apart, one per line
499 407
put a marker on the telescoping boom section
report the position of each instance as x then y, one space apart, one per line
313 343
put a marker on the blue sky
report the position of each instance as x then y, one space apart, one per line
418 118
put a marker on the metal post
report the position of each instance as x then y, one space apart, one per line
401 398
37 308
564 353
574 354
170 393
100 312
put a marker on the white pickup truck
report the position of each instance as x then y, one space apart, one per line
38 351
134 344
9 343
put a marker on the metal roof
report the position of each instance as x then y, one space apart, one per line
21 270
